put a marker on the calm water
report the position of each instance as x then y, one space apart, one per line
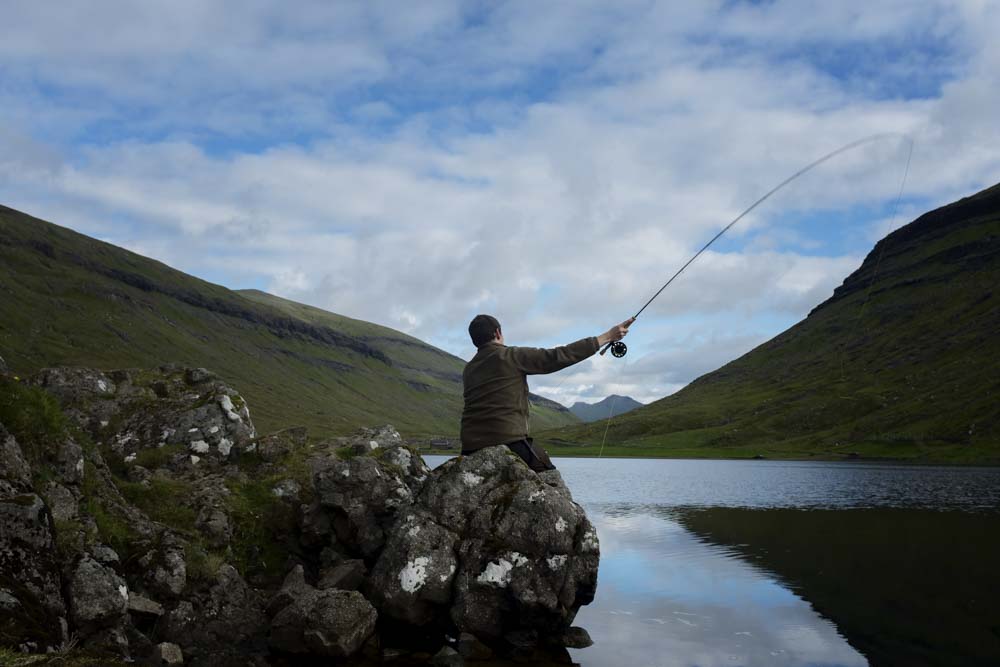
790 563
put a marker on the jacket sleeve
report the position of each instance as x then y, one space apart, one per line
538 361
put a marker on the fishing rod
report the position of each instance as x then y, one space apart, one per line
618 348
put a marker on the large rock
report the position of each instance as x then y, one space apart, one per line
61 501
321 622
501 550
363 494
31 603
15 473
98 596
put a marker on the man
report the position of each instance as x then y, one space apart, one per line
496 387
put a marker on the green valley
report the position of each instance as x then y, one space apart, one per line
70 300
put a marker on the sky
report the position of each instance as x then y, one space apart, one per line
552 164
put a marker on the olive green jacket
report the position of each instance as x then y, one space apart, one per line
496 388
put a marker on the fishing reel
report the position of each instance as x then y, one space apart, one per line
618 349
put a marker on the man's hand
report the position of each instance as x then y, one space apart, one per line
616 332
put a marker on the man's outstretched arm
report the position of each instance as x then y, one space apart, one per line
538 361
616 332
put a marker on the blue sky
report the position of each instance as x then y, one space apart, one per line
413 164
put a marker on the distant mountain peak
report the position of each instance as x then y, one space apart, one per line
609 406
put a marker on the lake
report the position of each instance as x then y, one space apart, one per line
789 564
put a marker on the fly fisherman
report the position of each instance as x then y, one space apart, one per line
495 385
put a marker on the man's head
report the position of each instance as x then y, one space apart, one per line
483 329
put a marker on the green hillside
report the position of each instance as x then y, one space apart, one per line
903 361
67 299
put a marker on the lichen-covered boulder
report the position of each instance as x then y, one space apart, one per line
413 579
362 495
499 549
98 597
135 410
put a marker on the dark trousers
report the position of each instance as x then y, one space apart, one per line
534 455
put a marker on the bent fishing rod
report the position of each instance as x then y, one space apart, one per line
618 348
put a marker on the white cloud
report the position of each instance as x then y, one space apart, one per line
550 164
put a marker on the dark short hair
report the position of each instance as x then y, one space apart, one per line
483 329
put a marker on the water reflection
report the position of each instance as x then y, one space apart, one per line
906 587
770 563
668 598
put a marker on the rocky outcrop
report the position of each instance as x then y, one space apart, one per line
371 547
492 546
192 408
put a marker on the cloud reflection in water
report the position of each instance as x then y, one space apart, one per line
666 598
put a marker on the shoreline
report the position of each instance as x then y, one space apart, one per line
555 453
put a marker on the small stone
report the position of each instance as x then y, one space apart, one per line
576 637
197 375
286 488
391 654
472 649
214 525
346 576
364 447
8 602
144 606
447 657
167 654
104 555
522 640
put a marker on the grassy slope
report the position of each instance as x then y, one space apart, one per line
425 363
906 368
67 299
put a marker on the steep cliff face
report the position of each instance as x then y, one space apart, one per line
902 361
66 299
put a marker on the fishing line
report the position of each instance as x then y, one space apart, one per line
611 413
878 261
618 349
